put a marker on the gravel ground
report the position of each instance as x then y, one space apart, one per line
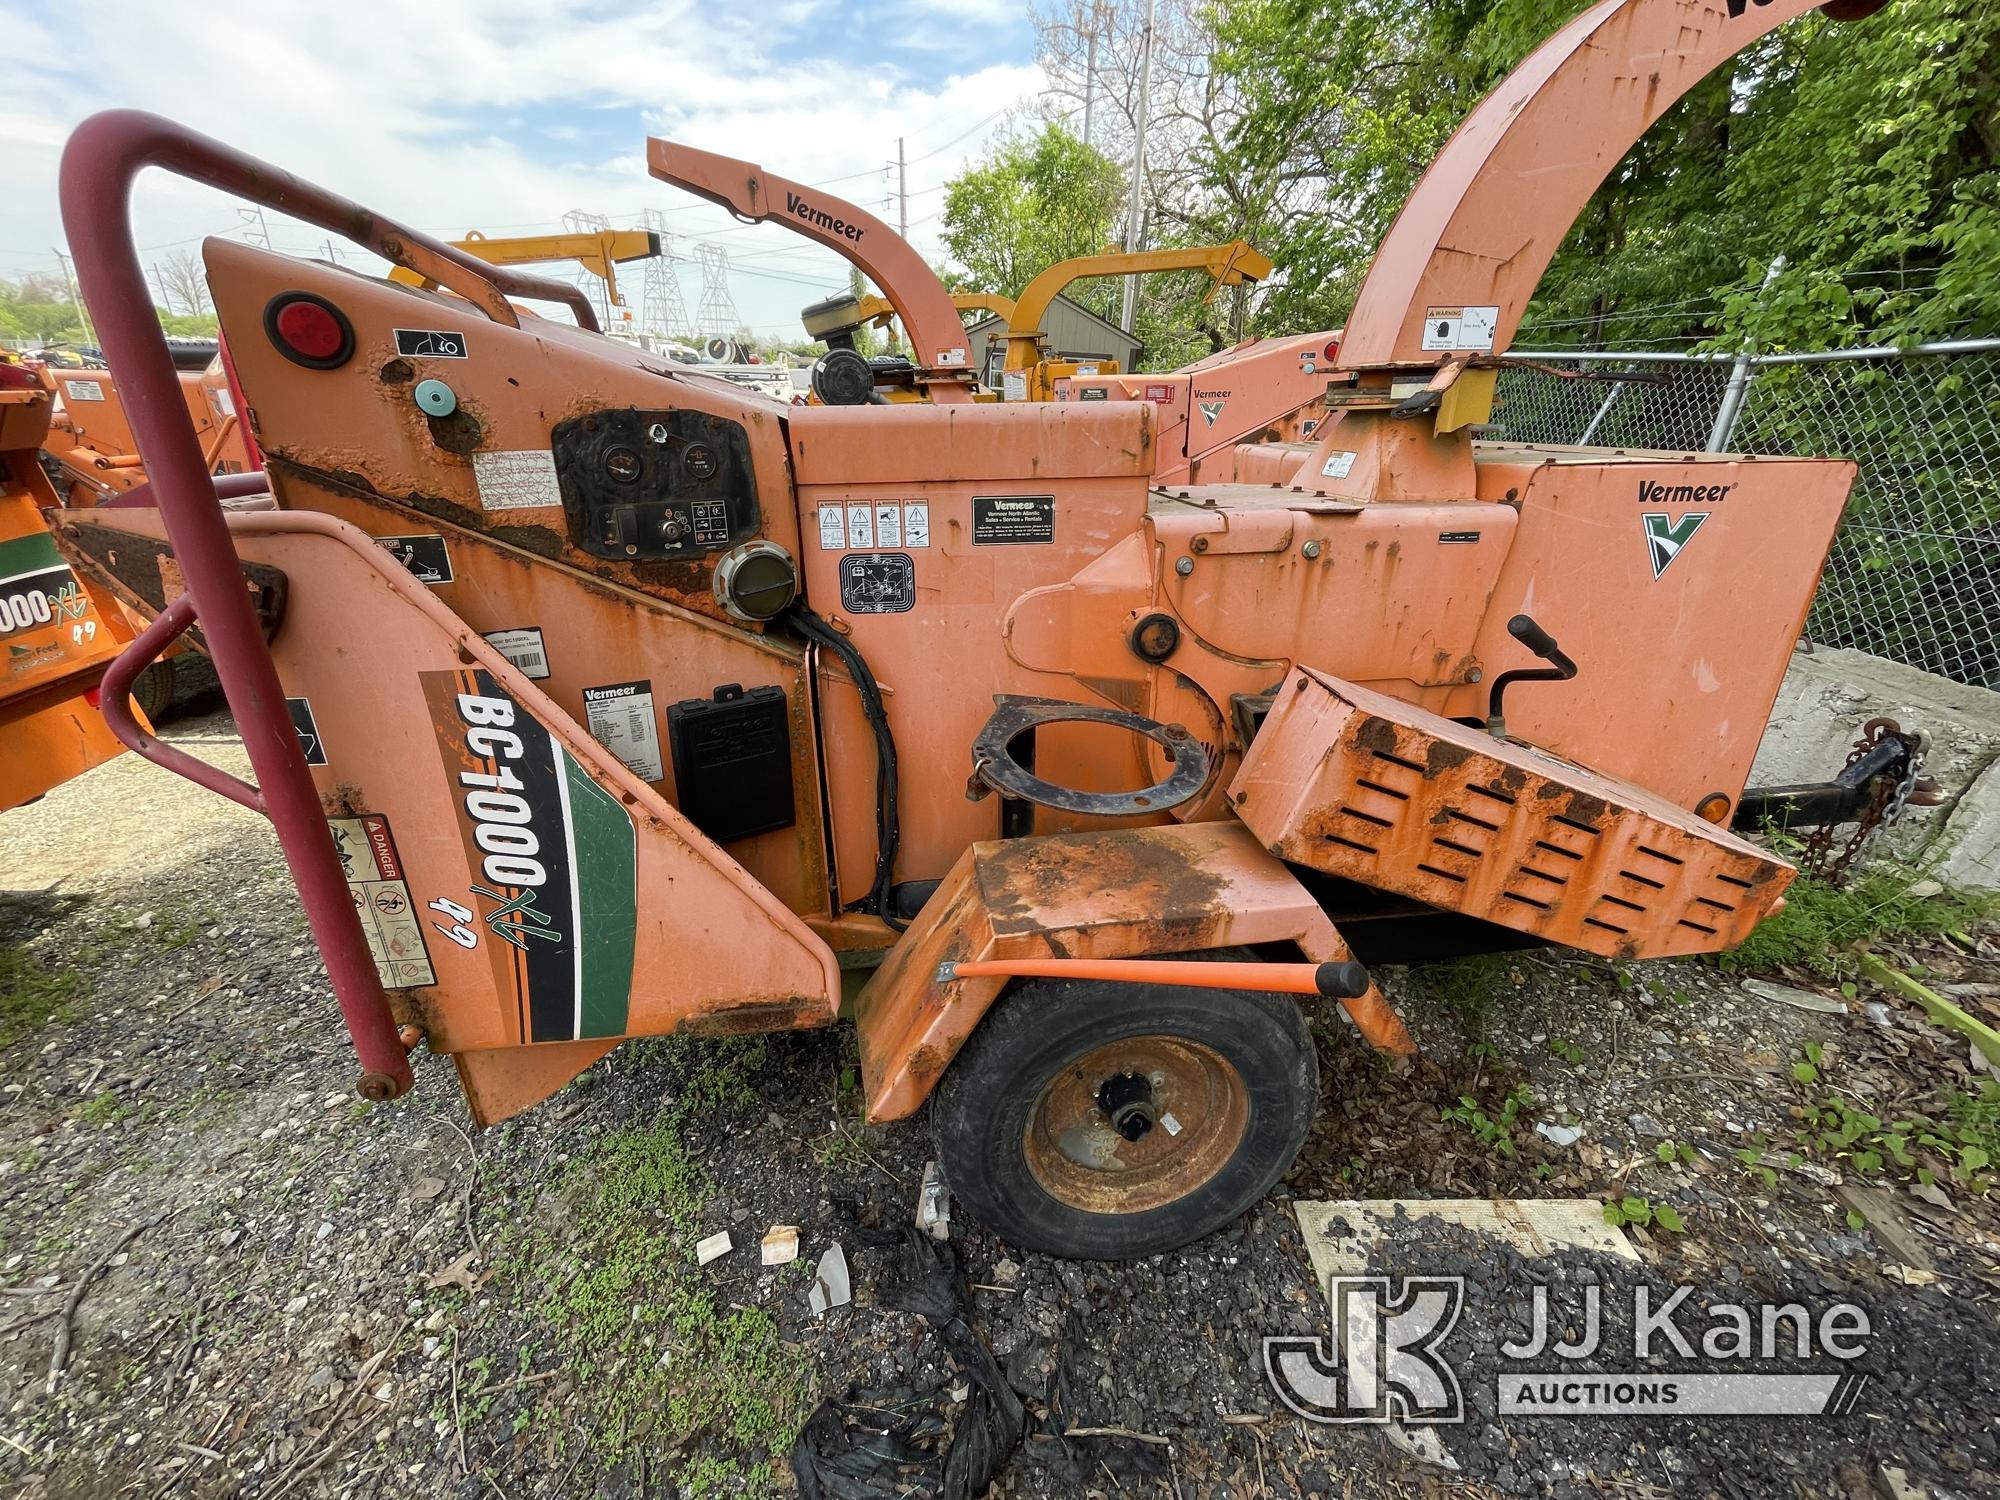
306 1296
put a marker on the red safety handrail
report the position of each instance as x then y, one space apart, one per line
115 703
100 163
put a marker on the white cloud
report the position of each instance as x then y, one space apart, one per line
492 113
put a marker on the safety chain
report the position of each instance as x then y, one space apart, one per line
1886 803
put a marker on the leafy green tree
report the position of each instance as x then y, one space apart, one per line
1030 204
1868 152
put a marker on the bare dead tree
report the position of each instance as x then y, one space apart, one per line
183 282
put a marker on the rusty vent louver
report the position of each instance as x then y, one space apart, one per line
1375 790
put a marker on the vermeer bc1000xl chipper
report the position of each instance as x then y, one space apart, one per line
699 699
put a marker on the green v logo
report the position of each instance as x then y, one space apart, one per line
1665 536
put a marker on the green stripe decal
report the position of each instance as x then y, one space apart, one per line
606 863
33 553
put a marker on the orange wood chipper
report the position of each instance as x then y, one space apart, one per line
1259 390
593 697
57 630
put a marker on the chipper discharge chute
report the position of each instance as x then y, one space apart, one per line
591 698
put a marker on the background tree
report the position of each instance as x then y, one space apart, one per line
183 282
1865 151
1031 203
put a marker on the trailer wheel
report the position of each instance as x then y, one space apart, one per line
153 690
1105 1121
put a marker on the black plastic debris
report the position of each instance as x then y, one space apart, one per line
875 1443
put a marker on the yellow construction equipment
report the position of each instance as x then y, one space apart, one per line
1029 375
599 252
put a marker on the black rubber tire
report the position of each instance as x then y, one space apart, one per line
984 1102
153 690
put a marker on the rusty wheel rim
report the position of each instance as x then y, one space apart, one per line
1136 1124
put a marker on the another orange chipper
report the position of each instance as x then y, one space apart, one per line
591 697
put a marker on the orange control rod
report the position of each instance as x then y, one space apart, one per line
1343 979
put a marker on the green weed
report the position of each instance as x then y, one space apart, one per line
1644 1212
31 994
1820 923
103 1109
663 1362
1496 1132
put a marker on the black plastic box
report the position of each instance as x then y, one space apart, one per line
733 761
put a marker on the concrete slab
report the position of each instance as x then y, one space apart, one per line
1533 1226
1829 693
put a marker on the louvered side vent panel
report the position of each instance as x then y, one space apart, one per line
1375 790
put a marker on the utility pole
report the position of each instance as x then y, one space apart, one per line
1132 207
1740 375
1090 71
76 296
902 221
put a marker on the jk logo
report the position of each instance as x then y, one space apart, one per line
1384 1365
1665 536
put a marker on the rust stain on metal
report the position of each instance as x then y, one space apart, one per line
459 433
1444 756
1378 735
1177 1111
747 1017
1021 881
1587 809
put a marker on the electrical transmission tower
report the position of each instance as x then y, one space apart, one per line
578 222
717 313
663 312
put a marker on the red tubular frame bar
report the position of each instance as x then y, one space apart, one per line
99 165
115 703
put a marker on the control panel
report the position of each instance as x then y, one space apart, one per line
646 485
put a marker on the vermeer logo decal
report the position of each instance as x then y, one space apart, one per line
1210 410
1651 493
1666 535
553 863
820 218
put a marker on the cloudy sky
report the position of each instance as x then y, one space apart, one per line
501 115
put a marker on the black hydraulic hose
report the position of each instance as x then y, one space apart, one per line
880 900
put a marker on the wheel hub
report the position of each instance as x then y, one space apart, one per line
1136 1123
1127 1102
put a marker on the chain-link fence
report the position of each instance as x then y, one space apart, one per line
1915 570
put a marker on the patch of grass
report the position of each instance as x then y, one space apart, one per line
31 994
1468 986
1821 923
661 1361
101 1109
837 1151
